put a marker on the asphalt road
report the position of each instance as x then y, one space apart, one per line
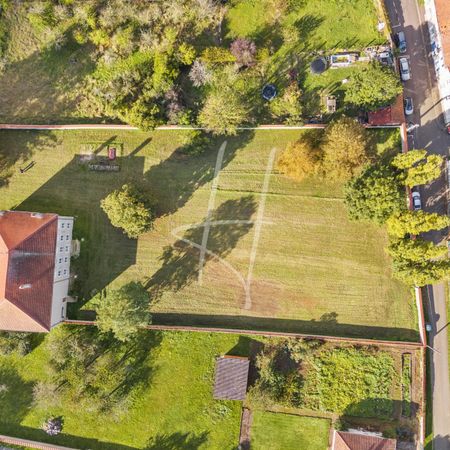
406 16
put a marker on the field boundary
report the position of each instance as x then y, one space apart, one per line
32 444
105 126
405 344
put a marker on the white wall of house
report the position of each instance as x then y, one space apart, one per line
441 66
62 269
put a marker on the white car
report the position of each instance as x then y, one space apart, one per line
409 106
417 203
405 72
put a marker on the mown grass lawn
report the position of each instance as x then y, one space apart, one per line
313 270
277 431
177 410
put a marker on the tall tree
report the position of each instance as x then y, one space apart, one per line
415 222
415 250
375 194
372 87
408 159
345 149
421 273
124 311
424 172
299 160
126 208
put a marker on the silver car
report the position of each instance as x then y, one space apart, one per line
417 203
405 72
409 106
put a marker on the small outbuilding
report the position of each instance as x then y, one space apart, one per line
231 378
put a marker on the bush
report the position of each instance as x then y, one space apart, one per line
15 342
126 208
288 106
244 50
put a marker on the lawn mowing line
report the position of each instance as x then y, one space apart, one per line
279 194
212 200
258 227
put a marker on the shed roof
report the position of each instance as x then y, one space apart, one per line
27 259
343 440
231 378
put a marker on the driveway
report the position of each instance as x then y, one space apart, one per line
405 15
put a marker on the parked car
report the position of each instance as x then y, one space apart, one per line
417 203
405 72
409 106
401 42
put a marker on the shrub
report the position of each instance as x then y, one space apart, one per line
15 342
199 73
244 51
217 55
288 106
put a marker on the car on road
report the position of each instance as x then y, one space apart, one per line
405 71
401 42
409 106
417 202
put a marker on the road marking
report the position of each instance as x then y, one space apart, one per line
212 200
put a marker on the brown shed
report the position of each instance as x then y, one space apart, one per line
231 378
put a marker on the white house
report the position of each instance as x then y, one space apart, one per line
35 251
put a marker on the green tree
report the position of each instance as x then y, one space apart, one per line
124 311
299 160
375 194
372 87
224 110
424 172
415 222
408 159
288 105
415 250
345 149
421 273
126 208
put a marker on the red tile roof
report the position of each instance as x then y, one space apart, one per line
390 115
443 16
343 440
27 259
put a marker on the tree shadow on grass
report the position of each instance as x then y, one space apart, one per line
177 441
12 153
180 262
175 179
379 408
15 395
77 191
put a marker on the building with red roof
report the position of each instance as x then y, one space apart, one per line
345 440
35 254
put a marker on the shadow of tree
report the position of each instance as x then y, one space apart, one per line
15 395
180 262
381 408
11 153
177 441
183 175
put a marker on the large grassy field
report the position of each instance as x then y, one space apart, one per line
290 261
177 410
45 83
276 431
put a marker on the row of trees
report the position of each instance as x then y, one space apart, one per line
378 195
339 154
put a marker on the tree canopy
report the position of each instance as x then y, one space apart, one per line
372 87
421 273
375 195
416 250
126 208
345 149
299 160
415 222
124 311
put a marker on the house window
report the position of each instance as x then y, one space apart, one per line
62 237
67 237
65 259
62 225
59 273
62 312
67 249
65 271
61 249
60 260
